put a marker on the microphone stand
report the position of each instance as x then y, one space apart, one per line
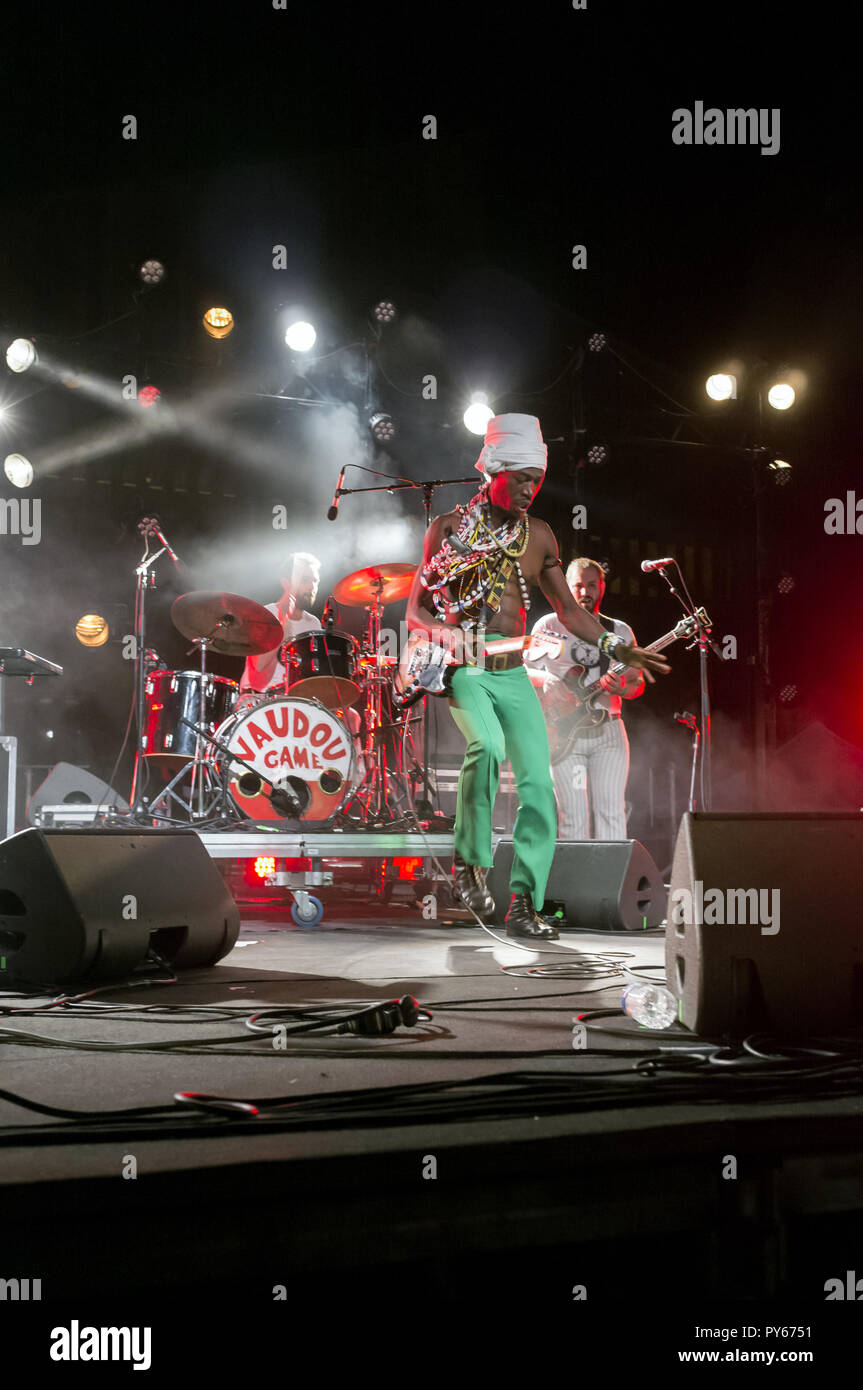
703 641
428 488
145 580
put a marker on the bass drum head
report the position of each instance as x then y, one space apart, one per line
293 742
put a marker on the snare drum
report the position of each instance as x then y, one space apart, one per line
295 742
323 666
172 695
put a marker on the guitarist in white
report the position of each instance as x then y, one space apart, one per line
592 777
480 563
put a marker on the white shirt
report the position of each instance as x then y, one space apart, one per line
292 627
577 651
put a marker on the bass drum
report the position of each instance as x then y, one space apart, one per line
291 742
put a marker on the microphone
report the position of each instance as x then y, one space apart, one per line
334 509
158 530
649 565
329 615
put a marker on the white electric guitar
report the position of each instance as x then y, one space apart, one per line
425 667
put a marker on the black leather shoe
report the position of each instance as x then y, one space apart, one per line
523 920
470 887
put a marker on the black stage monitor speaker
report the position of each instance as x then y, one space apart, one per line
68 784
604 885
764 923
89 904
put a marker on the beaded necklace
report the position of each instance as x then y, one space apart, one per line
476 561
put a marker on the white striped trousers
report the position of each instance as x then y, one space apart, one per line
593 778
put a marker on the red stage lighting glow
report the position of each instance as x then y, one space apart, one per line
407 866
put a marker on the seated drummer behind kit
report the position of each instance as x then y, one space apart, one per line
300 578
301 575
480 562
592 777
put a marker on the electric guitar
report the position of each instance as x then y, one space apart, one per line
570 705
425 667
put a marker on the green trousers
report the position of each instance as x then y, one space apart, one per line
500 716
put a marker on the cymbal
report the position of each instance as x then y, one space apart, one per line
387 582
236 626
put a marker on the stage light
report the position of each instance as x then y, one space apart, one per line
18 470
219 322
21 354
382 426
597 342
785 584
478 413
788 693
92 630
721 387
152 272
148 395
300 336
781 395
265 865
407 865
385 311
597 455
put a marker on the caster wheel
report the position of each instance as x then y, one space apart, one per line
310 914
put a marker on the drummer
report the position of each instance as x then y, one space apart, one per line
300 577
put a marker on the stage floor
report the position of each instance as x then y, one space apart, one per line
476 1184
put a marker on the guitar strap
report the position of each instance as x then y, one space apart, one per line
605 661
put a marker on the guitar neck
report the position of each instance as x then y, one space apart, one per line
657 646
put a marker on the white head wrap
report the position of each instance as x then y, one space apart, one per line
512 442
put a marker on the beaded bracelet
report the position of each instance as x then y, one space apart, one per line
608 642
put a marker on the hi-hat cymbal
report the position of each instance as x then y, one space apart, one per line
389 583
235 626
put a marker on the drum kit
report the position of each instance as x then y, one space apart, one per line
327 742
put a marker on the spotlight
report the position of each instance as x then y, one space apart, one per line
597 342
218 322
92 630
478 413
781 395
721 387
785 584
300 336
265 865
152 272
788 693
781 471
21 354
382 426
18 470
385 312
597 455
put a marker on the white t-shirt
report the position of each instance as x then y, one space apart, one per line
306 622
577 651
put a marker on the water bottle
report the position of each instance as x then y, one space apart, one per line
653 1006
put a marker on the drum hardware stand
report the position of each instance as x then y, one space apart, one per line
203 781
372 794
222 747
397 485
